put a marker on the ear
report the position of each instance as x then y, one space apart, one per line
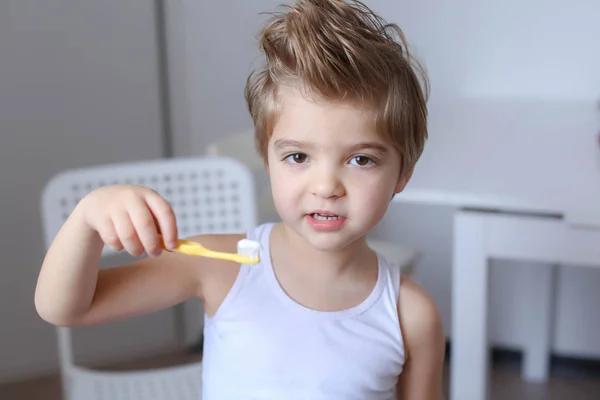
403 179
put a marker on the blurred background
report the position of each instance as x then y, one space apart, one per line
94 82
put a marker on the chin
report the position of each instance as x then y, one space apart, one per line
330 241
326 245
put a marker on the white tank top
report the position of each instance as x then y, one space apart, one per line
261 344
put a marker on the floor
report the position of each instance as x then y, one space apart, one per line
506 384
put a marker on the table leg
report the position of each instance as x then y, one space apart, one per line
540 302
469 366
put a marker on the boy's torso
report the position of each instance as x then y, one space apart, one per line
262 343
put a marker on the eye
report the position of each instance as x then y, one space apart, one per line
297 158
362 161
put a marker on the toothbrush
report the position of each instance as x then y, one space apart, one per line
248 251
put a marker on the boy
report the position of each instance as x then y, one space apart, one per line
340 120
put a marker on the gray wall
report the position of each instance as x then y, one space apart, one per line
78 86
534 49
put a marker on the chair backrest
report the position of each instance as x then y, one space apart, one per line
208 195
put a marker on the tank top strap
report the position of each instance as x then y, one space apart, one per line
394 274
261 234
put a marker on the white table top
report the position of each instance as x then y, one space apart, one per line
525 156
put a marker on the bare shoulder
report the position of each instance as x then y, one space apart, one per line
216 277
420 319
424 344
205 269
193 269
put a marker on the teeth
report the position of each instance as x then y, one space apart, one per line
320 217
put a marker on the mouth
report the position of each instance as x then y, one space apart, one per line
325 216
326 221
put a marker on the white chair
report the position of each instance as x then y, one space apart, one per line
208 195
241 146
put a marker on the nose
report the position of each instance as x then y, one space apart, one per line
327 183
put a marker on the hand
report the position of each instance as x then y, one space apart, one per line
132 218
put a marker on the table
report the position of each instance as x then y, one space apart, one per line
512 201
480 235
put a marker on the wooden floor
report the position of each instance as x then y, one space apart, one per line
506 384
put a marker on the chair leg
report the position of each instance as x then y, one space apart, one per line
198 347
179 319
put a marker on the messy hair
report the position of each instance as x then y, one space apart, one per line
341 51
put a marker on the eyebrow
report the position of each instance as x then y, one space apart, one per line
282 144
378 147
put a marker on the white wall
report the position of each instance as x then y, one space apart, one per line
78 86
534 49
219 47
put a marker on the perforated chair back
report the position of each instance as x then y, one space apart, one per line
208 195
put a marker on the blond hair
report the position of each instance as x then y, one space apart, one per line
341 51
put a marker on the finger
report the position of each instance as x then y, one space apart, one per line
127 235
109 236
145 227
165 216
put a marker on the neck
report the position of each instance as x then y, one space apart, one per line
323 264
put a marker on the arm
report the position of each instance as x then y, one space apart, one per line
70 289
424 341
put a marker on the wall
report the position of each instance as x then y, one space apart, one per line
501 48
78 86
510 49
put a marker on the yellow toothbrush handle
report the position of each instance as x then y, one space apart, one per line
231 257
196 249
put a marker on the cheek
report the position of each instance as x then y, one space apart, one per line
282 188
374 195
277 178
377 192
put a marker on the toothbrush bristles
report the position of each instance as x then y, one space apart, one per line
249 248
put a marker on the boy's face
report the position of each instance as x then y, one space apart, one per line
332 176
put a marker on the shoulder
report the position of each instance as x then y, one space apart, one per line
218 275
208 268
420 320
424 344
215 277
